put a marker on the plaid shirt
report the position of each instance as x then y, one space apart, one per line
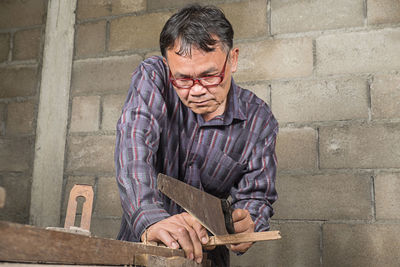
230 155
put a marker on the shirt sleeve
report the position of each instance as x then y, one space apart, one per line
138 135
256 191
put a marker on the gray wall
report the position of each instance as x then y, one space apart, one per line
329 69
22 26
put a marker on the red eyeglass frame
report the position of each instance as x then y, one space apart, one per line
198 80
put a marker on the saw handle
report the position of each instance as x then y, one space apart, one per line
227 210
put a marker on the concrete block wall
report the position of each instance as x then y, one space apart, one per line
330 71
22 27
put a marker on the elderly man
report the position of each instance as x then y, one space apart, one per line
185 117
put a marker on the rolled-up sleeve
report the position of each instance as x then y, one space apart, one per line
138 135
256 190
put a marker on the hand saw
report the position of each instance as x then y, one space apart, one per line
213 213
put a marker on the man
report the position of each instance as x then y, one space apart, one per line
185 117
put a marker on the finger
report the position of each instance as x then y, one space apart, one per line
245 225
185 241
239 214
167 239
209 247
242 247
198 227
198 248
203 235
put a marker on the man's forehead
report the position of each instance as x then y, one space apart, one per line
196 56
186 50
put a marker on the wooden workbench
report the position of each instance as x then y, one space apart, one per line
21 244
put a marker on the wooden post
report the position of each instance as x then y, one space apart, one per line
48 167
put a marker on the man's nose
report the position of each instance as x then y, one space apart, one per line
198 89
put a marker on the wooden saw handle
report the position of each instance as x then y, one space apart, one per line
242 238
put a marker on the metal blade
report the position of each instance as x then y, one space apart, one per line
204 207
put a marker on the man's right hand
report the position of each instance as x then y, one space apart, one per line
181 230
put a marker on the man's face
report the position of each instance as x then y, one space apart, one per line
207 101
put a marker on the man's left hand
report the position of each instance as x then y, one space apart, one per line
243 223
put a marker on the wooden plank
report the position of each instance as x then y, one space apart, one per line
242 238
2 197
25 243
151 260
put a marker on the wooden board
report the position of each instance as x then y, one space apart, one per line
243 238
2 197
25 243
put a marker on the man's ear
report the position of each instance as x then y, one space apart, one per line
234 58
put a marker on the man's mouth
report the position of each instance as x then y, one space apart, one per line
201 103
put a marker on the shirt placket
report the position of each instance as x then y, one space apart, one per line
192 150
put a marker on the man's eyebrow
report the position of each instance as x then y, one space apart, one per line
204 73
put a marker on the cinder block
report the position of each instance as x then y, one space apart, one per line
160 4
153 53
91 154
21 13
16 208
274 59
299 246
324 197
296 149
4 46
18 81
71 181
129 33
385 96
358 52
105 74
250 24
261 89
90 39
85 115
383 11
304 15
112 107
107 198
16 154
387 197
360 146
366 245
123 6
26 44
20 118
95 8
320 100
105 227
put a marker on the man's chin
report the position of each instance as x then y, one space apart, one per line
202 110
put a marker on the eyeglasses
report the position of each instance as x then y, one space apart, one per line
208 81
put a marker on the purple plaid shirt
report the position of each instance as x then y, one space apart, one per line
230 155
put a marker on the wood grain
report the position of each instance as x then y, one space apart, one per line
24 243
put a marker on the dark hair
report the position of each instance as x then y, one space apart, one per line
194 25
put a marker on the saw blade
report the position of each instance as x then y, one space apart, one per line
205 207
